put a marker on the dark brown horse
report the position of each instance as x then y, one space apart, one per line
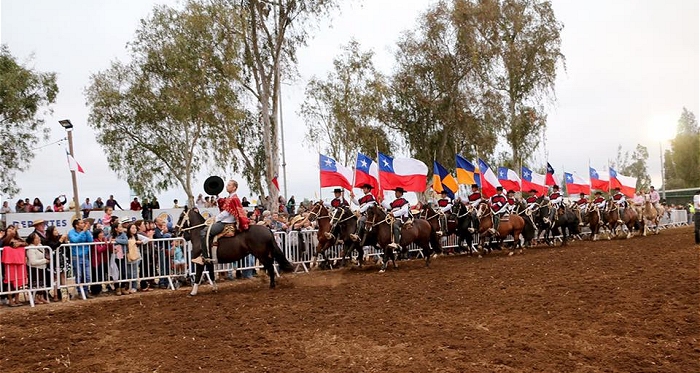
420 232
347 224
512 225
258 241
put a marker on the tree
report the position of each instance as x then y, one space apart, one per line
25 96
436 101
682 162
520 50
634 165
341 110
271 33
175 108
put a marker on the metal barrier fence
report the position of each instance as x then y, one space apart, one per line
91 265
26 271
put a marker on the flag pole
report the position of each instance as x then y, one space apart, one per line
320 191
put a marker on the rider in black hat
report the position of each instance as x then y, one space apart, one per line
444 206
339 204
365 202
499 206
400 209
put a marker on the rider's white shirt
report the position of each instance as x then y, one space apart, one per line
225 216
364 207
654 197
402 211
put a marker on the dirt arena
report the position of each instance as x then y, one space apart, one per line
619 306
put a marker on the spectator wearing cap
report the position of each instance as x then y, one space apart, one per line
80 254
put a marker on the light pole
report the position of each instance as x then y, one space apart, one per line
663 179
69 129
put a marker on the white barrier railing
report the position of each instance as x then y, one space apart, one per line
18 276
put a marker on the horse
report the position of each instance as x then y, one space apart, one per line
530 229
420 232
258 240
593 218
347 222
651 215
629 218
564 218
465 226
513 225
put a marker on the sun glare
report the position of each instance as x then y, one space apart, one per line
662 127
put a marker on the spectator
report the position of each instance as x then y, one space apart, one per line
54 241
58 203
98 205
164 251
277 224
207 204
86 207
40 229
37 206
291 205
175 205
5 208
98 261
135 205
48 209
111 202
37 265
107 220
28 207
19 206
119 253
147 210
155 205
14 266
133 254
80 253
696 207
145 234
245 202
200 203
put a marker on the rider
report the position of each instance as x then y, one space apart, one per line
582 204
599 201
445 205
621 203
400 210
532 200
654 197
474 198
499 206
232 212
511 201
556 199
338 204
366 202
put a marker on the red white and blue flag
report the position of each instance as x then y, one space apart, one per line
599 180
489 181
549 180
334 174
407 173
367 172
509 179
532 180
576 184
627 184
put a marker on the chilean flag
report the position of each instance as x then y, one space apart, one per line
407 173
576 184
367 172
73 165
509 179
599 180
549 180
532 180
489 181
627 184
334 174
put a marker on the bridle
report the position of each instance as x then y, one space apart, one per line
186 219
315 214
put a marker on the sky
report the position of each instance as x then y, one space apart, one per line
631 67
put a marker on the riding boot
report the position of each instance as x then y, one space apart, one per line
442 225
496 223
329 235
359 232
397 236
620 212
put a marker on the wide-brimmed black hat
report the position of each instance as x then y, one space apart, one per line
582 194
337 190
399 189
443 191
366 186
499 188
598 193
555 186
475 185
533 191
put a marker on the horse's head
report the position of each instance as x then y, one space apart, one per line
482 209
317 210
375 214
188 219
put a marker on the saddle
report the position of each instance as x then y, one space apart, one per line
229 231
505 217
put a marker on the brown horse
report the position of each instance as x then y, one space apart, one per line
510 225
593 218
651 215
258 240
347 222
629 218
420 232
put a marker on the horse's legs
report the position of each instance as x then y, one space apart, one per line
199 271
268 264
387 255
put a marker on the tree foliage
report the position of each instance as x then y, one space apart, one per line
341 110
635 165
682 161
175 108
25 96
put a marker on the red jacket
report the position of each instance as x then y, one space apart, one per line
98 253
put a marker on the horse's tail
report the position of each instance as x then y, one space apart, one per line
278 254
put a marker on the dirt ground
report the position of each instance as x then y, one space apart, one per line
618 306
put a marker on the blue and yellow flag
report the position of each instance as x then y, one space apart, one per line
443 180
467 173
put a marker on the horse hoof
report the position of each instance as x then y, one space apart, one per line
510 253
382 271
480 256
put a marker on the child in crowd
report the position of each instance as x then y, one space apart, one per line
119 252
36 261
98 260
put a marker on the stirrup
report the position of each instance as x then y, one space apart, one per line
439 233
393 245
328 235
198 260
354 237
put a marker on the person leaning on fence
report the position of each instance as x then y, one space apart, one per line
14 267
164 251
80 254
696 207
99 260
54 240
36 263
